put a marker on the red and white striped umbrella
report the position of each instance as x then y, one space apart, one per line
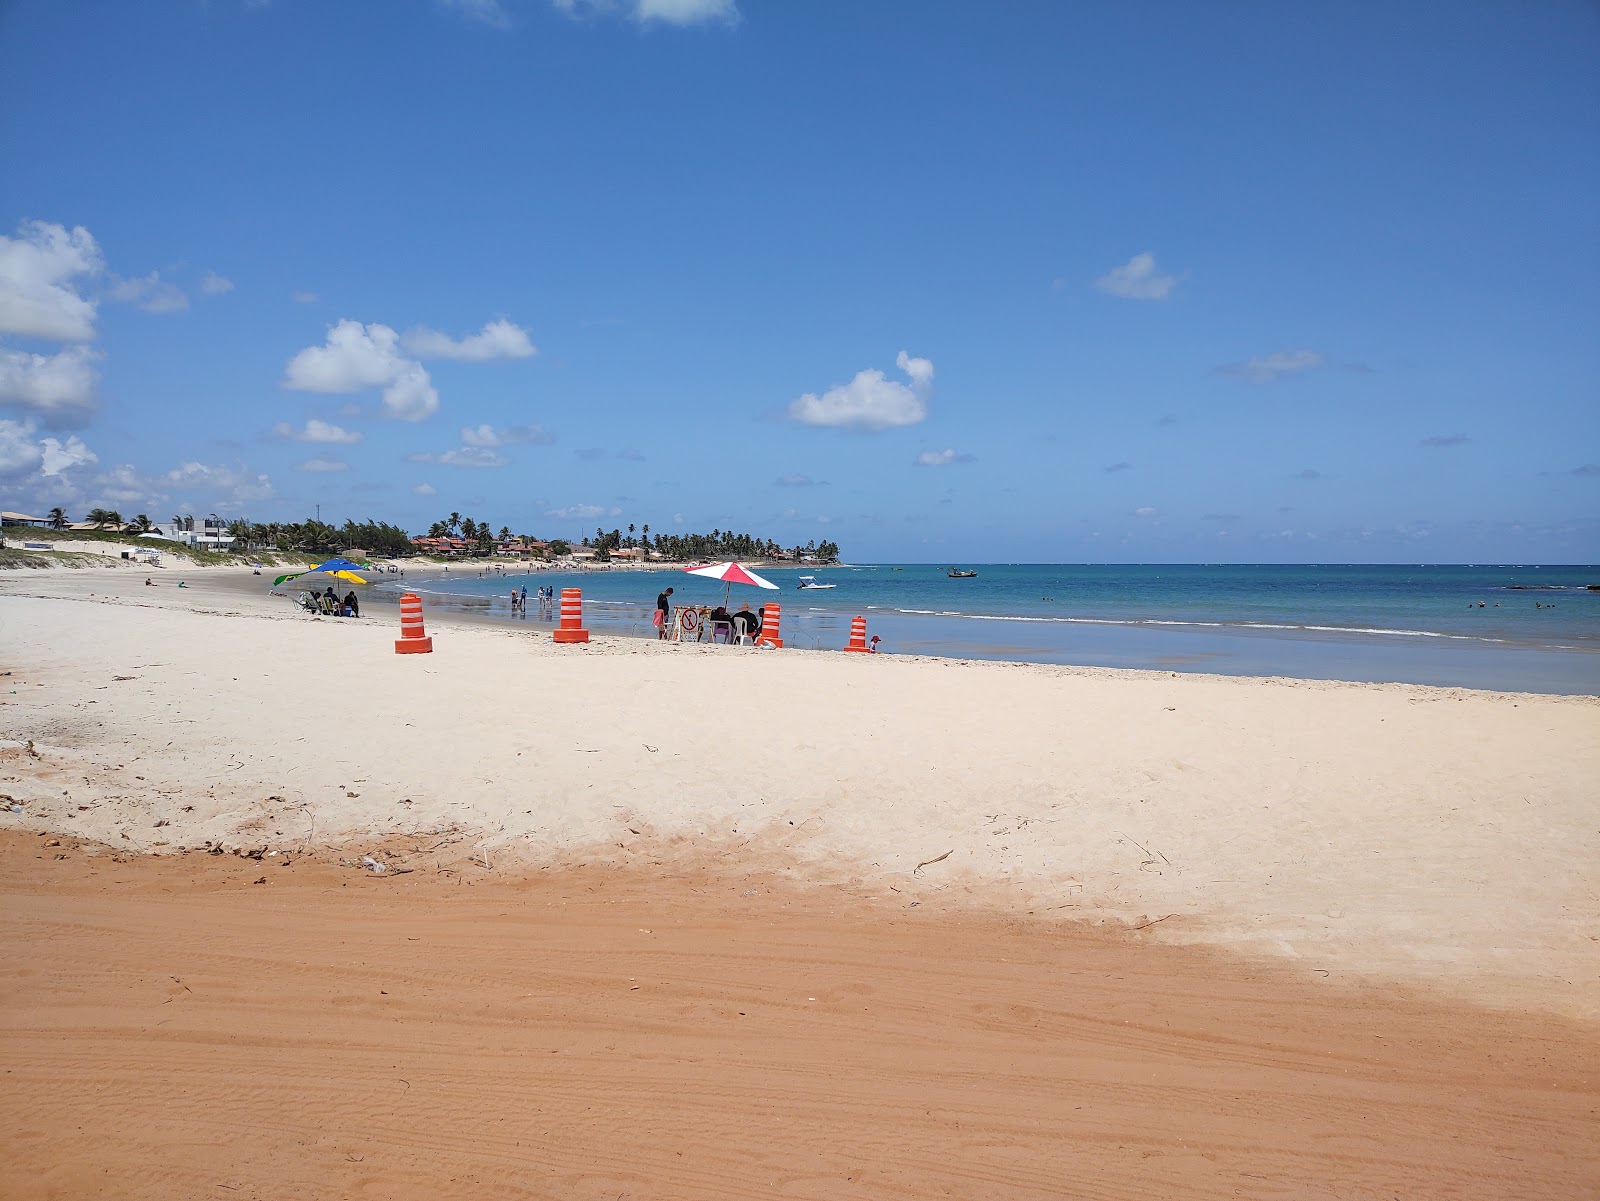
731 574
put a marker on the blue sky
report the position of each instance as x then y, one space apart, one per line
937 281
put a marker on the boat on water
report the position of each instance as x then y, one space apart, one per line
961 575
808 583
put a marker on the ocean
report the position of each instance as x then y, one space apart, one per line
1532 628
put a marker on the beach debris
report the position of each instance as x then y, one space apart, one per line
935 859
372 865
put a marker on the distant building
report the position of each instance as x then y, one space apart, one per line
24 519
208 533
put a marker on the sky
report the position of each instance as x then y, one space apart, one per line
937 281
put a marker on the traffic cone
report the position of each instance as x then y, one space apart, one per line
858 635
413 639
771 626
571 629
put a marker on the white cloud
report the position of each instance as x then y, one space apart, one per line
486 12
318 431
60 385
24 460
671 12
1137 279
303 297
512 435
463 456
496 340
941 458
870 401
150 293
37 268
587 512
798 481
356 357
1266 369
324 465
424 490
685 12
1144 511
219 486
213 284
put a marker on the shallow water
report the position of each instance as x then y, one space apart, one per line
1522 628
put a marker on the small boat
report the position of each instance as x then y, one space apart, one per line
808 583
961 575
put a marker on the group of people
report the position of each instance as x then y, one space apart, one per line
544 597
700 622
329 604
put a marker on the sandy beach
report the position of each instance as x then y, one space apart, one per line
1355 925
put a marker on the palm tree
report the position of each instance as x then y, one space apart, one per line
139 525
454 522
469 528
104 517
505 532
58 518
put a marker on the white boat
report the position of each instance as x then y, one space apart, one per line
808 583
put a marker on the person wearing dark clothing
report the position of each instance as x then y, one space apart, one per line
352 604
721 620
664 612
746 623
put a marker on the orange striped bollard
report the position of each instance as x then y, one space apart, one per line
771 626
571 629
858 635
413 638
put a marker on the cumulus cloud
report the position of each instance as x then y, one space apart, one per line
1441 440
1116 467
870 401
496 340
941 458
213 284
669 12
485 12
318 431
424 490
1137 279
1267 369
356 357
219 486
150 293
25 458
324 465
38 296
463 456
587 512
58 386
512 435
799 481
1145 511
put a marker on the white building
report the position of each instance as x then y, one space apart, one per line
207 533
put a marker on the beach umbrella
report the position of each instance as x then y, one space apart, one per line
340 568
731 574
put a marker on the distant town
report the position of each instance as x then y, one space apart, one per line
453 537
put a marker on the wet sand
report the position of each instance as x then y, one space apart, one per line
176 1029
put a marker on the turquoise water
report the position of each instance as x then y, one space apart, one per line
1537 628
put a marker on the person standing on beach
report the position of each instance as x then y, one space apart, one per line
663 612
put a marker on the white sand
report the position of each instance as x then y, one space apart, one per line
1415 833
